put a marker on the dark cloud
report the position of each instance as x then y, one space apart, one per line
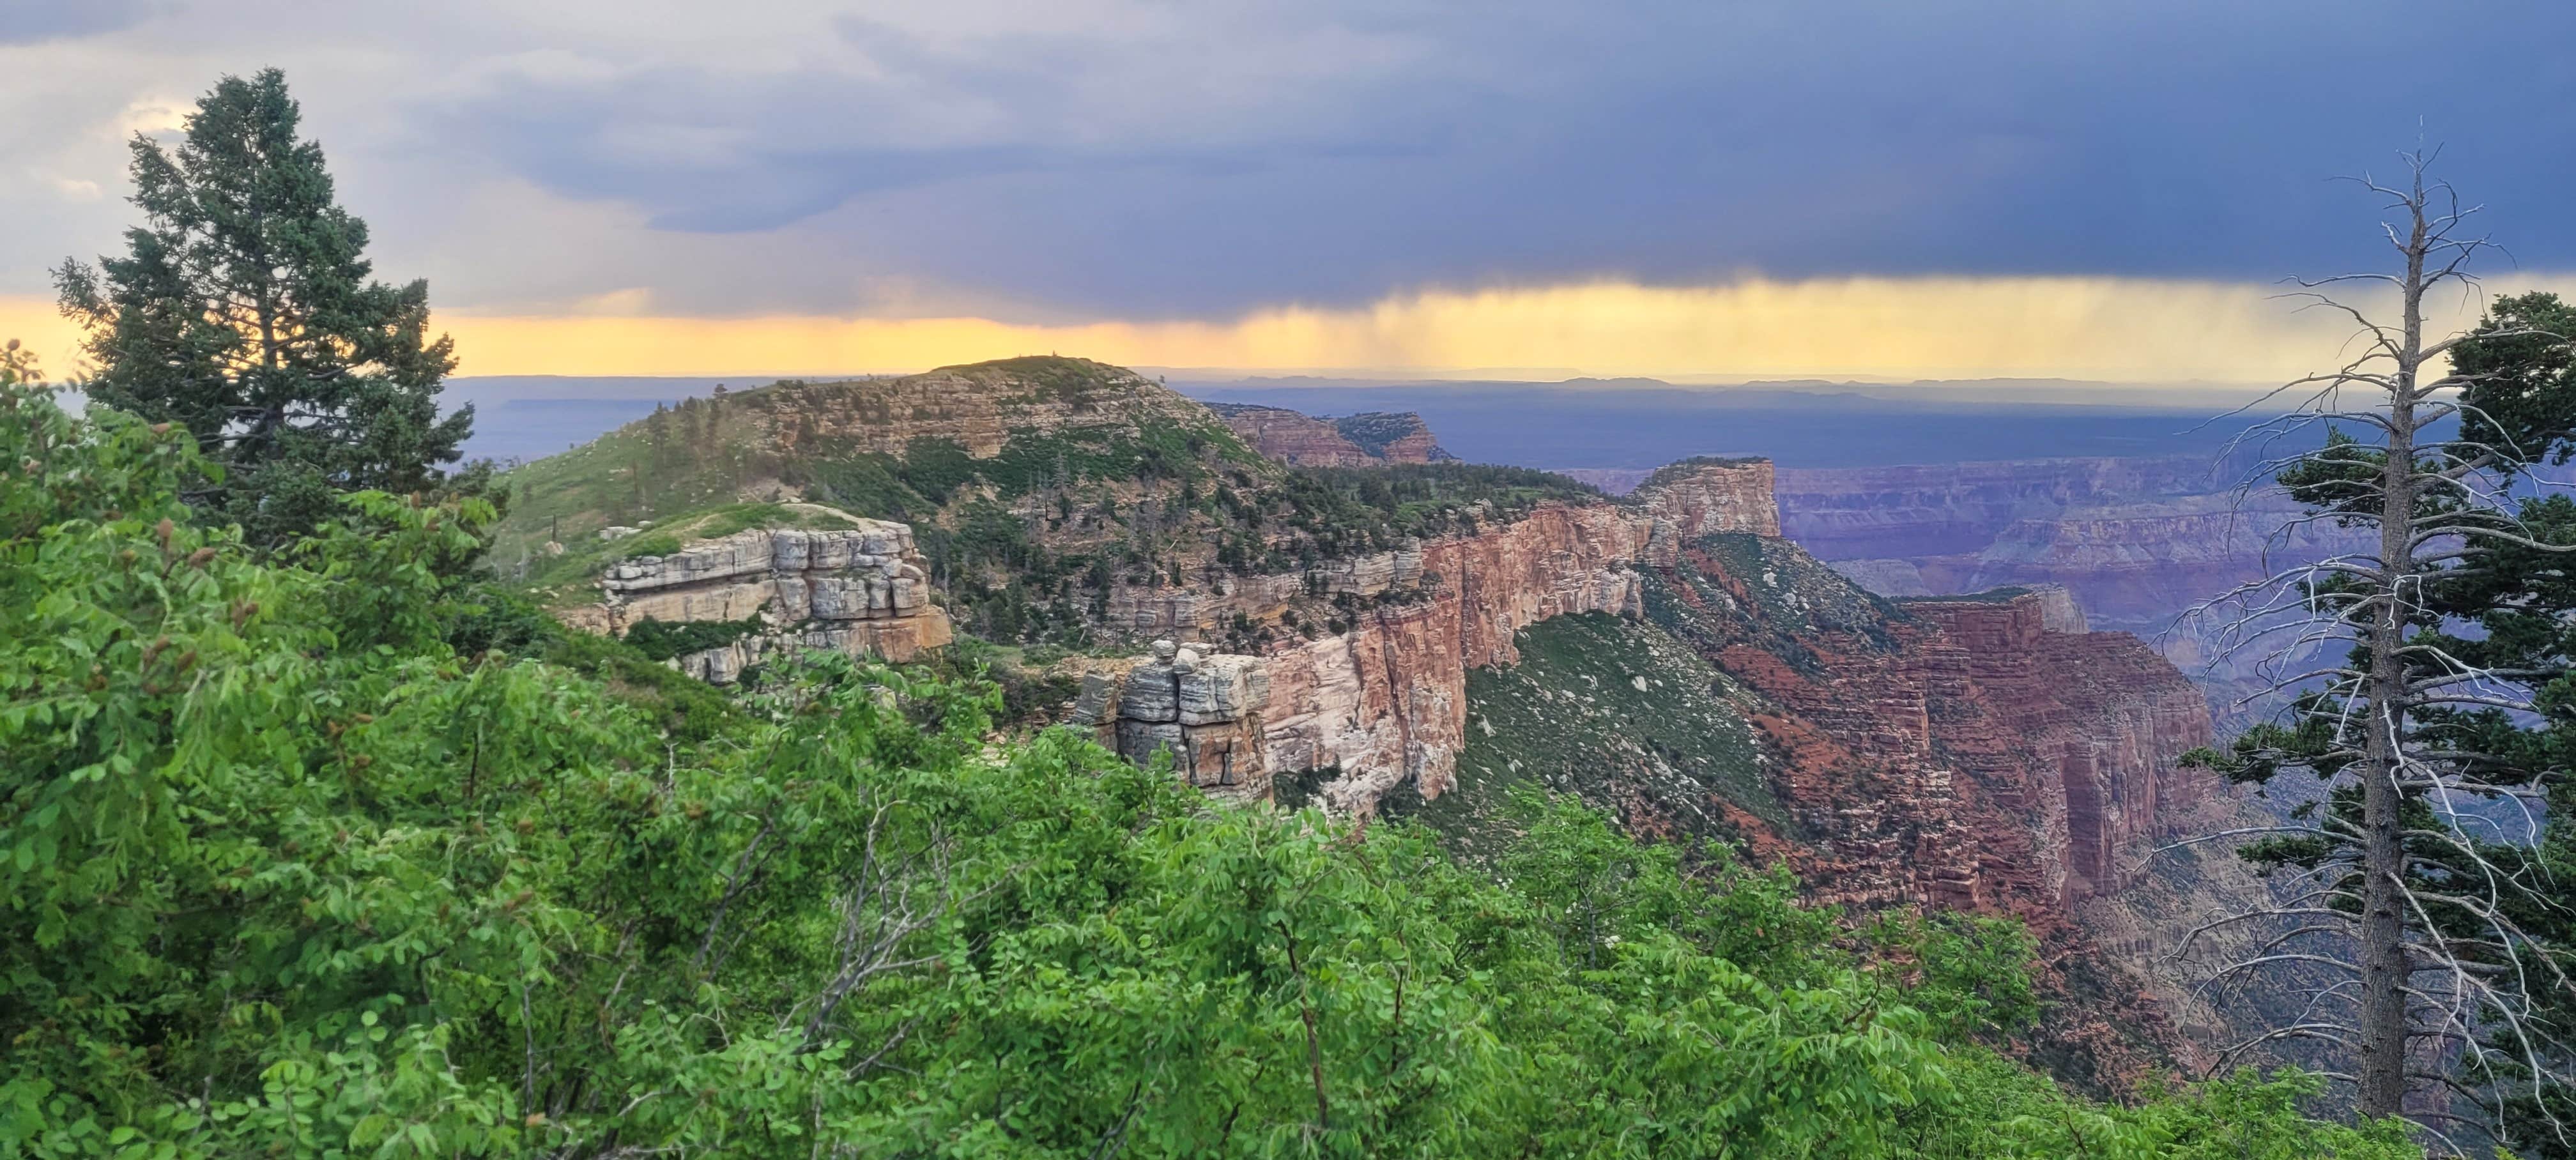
1131 172
37 21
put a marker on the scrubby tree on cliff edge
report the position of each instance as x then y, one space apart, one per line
2429 923
243 308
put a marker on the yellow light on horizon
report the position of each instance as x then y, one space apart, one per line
2086 328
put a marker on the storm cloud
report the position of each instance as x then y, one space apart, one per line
1098 158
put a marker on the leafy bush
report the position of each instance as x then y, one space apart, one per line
283 873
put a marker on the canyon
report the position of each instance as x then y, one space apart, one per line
1674 654
2148 545
1989 754
1385 702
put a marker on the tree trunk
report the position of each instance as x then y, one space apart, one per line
2383 921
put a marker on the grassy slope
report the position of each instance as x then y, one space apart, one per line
1630 715
575 494
1615 712
1787 595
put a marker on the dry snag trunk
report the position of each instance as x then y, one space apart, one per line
2405 907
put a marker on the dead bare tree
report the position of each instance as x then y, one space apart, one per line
2406 894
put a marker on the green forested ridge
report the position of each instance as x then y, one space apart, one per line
1023 544
288 872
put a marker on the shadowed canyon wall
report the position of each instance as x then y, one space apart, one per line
2139 543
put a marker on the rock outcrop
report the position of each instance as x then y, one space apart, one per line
859 591
1700 496
1203 710
1384 703
1362 440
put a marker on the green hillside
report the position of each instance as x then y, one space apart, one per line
1035 487
1618 714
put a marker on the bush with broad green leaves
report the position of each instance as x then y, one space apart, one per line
282 872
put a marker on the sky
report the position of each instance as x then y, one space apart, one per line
1898 190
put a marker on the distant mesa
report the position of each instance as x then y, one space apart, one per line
1363 440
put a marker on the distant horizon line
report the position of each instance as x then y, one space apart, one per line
2071 332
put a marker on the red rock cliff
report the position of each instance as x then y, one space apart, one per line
2103 714
1386 701
1718 495
1961 754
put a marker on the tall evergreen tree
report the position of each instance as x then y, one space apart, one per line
244 309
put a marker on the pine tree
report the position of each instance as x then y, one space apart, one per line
693 426
657 438
244 309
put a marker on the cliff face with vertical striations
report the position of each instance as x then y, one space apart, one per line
2104 710
1674 659
1384 703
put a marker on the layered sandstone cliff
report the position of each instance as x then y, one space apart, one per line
1204 711
859 591
1698 497
1384 703
980 407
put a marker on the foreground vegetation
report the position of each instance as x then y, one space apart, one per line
302 852
315 842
